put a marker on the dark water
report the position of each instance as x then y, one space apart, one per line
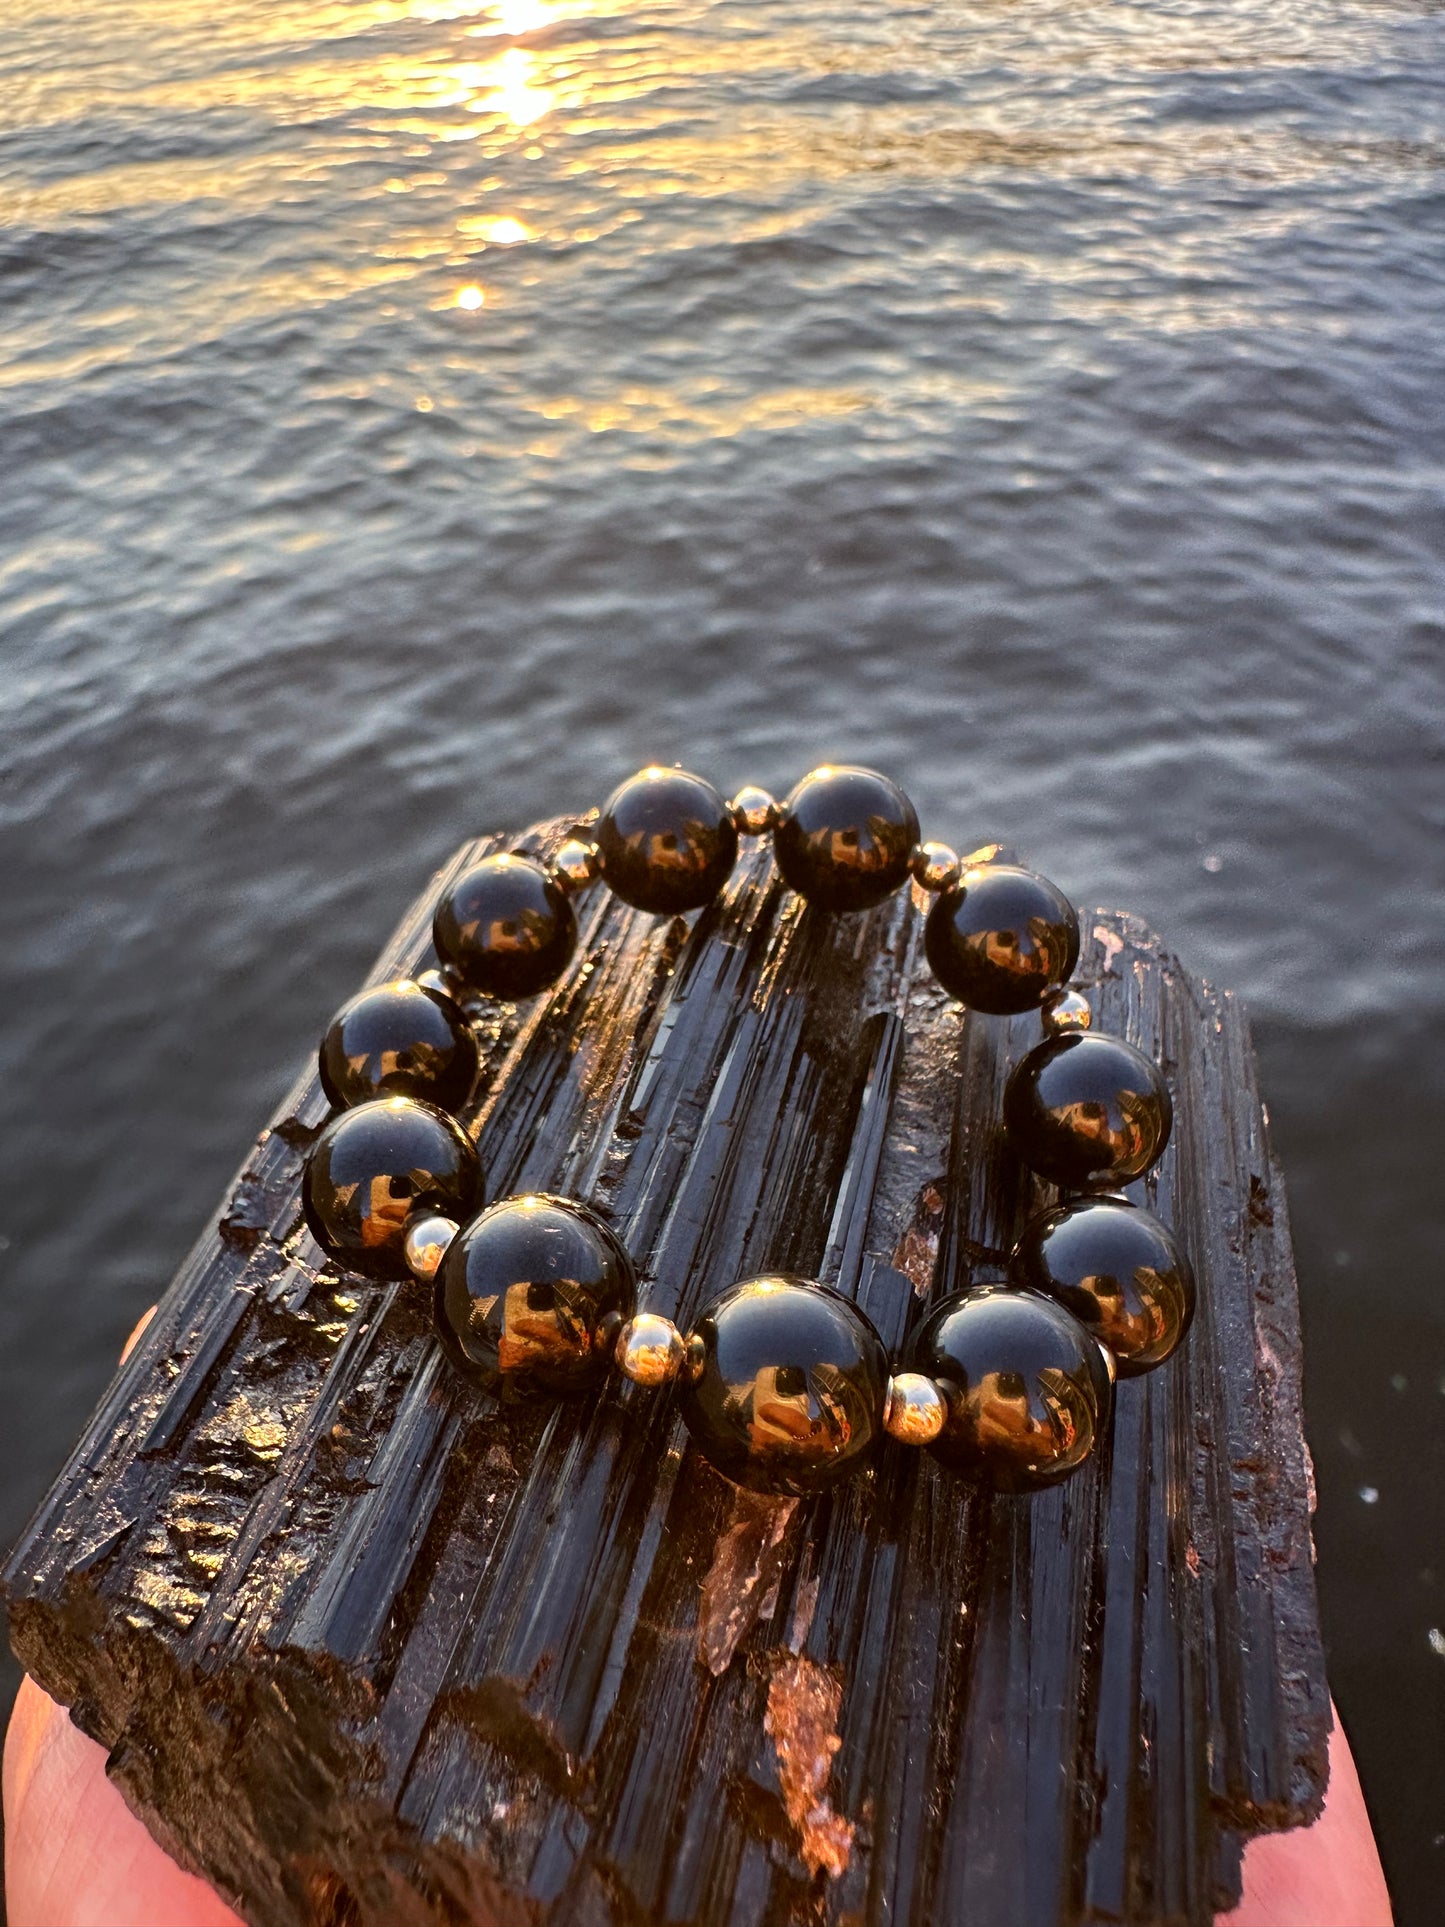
1042 402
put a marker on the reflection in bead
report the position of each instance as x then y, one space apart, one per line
1086 1109
1001 939
438 983
425 1243
531 1293
649 1349
372 1167
1065 1009
576 866
505 928
399 1039
845 838
935 867
754 811
916 1409
1118 1270
785 1385
1027 1389
667 841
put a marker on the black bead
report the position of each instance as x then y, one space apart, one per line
1086 1109
1027 1389
1001 939
1118 1270
785 1385
531 1294
666 841
505 928
845 838
399 1040
374 1165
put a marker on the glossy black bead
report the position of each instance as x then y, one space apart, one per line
505 928
1087 1109
374 1165
667 841
531 1295
399 1040
845 838
785 1385
1001 939
1118 1270
1027 1388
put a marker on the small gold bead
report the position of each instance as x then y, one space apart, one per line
935 867
1065 1010
438 983
916 1410
753 811
576 866
649 1349
425 1243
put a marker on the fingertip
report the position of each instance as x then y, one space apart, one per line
75 1854
1325 1875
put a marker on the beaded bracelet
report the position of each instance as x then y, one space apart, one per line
783 1383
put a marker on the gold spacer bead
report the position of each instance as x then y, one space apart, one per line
916 1410
1065 1010
576 866
753 811
935 867
425 1243
438 983
649 1349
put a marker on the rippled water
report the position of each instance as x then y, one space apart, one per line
412 417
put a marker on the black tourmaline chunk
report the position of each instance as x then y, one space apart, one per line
530 1295
505 927
372 1167
1118 1270
366 1645
399 1040
845 838
667 841
1002 939
1028 1390
785 1385
1084 1109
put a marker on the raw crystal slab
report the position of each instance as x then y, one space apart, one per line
366 1647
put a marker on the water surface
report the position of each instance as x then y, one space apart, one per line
414 417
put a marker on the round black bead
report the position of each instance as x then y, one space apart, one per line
1001 939
531 1294
1118 1270
399 1040
785 1385
1086 1109
845 838
374 1165
1027 1389
666 841
505 928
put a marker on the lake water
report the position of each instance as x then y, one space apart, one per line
413 417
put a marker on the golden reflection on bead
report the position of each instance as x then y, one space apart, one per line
438 983
425 1243
935 866
916 1409
576 865
754 811
1065 1009
650 1349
